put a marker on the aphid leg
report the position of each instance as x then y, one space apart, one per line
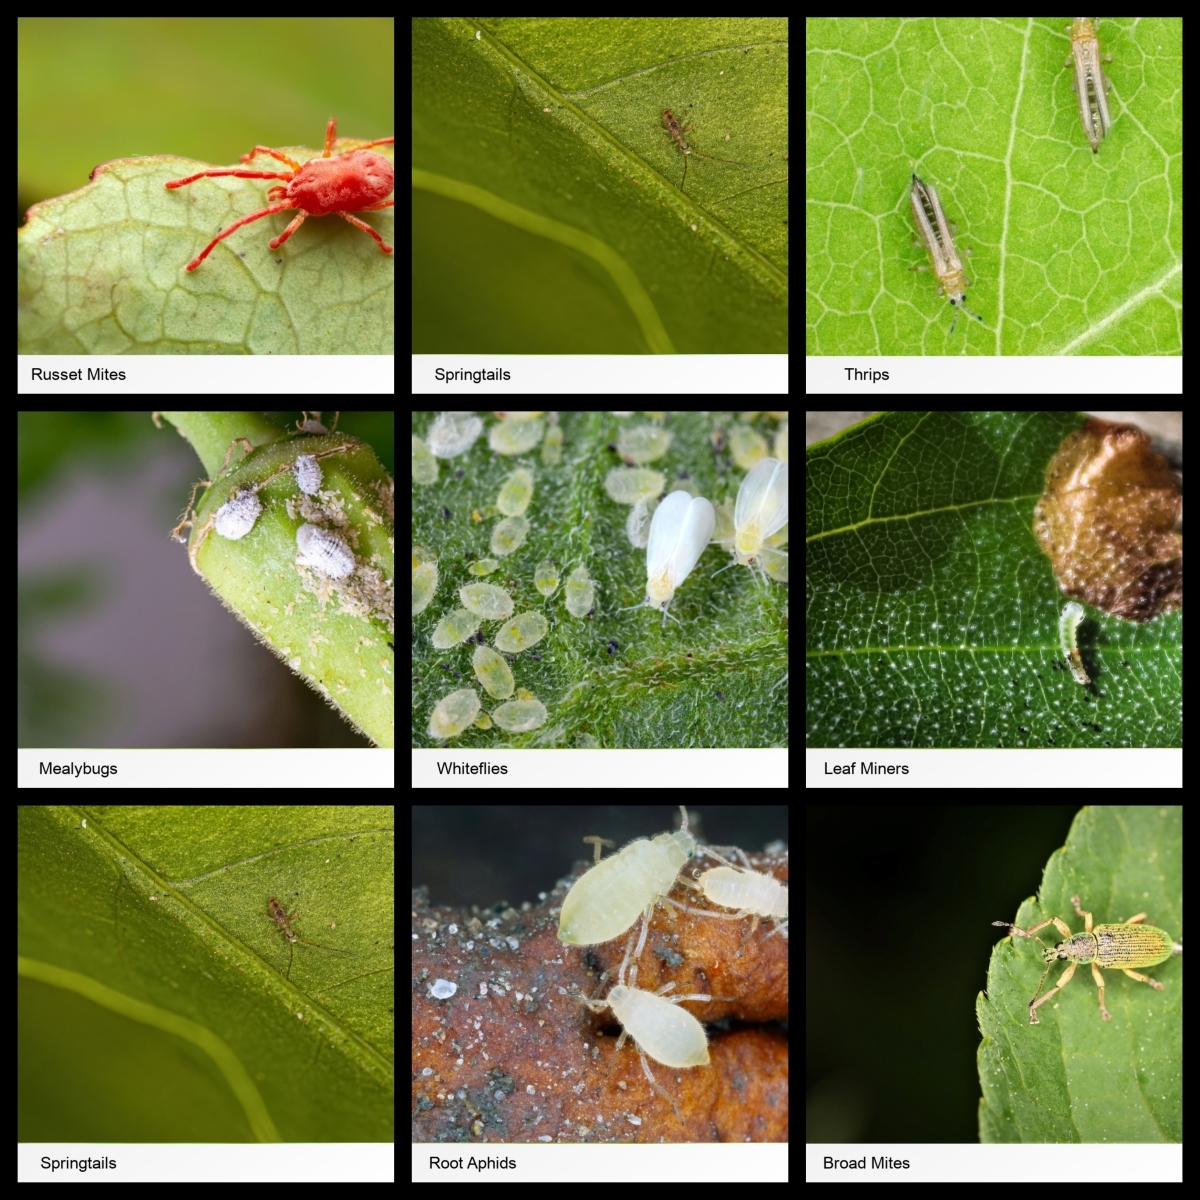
654 1082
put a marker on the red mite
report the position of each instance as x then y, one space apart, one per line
355 180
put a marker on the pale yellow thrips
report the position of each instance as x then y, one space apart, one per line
1089 81
936 237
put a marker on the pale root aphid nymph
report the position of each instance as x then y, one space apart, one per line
669 1035
607 900
752 893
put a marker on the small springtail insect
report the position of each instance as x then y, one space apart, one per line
1068 623
1090 83
935 235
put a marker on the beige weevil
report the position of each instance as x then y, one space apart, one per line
669 1035
607 900
752 893
1129 944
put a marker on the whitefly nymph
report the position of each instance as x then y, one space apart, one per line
236 517
324 552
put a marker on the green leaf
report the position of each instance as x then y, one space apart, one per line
101 270
714 677
545 144
1075 1077
337 634
1074 253
932 613
157 919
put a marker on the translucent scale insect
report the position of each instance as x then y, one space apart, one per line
1090 83
938 240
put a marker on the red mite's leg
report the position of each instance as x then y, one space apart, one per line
275 243
265 212
366 229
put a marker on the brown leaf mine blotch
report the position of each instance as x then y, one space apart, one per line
1106 521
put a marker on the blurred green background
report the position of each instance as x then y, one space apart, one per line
91 90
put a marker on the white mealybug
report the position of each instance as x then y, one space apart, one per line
236 517
679 532
325 552
308 474
1068 623
761 509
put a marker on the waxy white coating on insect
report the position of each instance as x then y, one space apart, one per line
608 899
516 493
236 517
514 436
324 552
627 485
669 1035
579 593
486 600
424 584
493 672
680 530
453 628
308 474
522 631
453 713
509 535
452 434
520 715
761 509
1068 624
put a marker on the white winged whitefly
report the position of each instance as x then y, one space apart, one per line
1090 83
938 239
680 529
761 512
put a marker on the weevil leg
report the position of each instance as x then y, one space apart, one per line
1100 984
1064 979
1087 916
1137 920
1143 979
1017 931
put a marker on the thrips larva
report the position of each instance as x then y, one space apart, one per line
939 243
1089 81
606 901
1120 947
669 1035
1068 623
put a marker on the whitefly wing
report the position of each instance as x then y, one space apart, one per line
762 501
